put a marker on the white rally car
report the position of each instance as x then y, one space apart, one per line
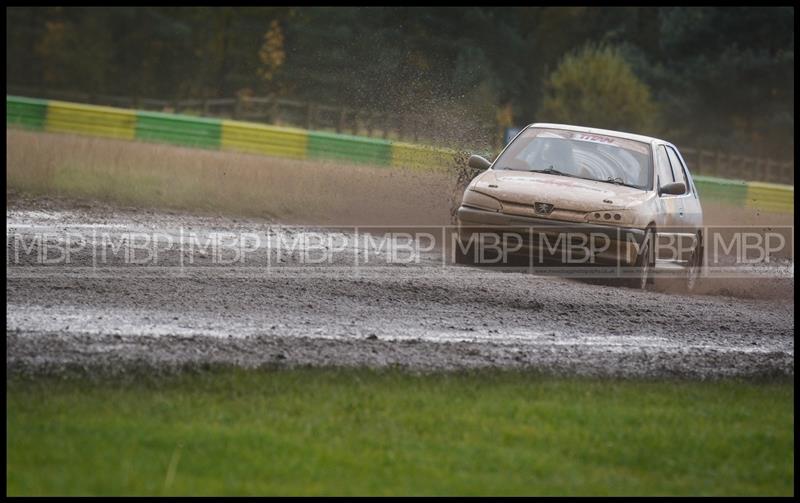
635 189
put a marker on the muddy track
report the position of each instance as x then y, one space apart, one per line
422 317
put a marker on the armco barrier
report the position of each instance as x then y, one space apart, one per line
421 157
263 139
357 149
770 197
63 117
732 192
58 116
178 129
28 113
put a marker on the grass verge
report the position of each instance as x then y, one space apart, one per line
165 176
362 432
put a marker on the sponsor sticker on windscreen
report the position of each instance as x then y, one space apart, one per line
593 138
610 140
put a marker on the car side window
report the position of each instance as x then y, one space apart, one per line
663 170
677 169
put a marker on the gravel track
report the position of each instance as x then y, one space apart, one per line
421 317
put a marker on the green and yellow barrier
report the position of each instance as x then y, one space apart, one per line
27 113
229 135
63 117
265 140
770 197
421 157
358 149
178 129
732 192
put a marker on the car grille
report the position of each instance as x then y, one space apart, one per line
529 210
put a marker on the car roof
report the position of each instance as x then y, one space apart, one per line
607 132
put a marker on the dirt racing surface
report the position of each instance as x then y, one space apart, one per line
421 316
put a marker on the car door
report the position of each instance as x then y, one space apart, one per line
692 217
692 209
670 221
687 206
667 204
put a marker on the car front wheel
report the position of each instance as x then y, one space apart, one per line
644 263
462 255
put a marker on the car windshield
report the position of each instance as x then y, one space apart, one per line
582 155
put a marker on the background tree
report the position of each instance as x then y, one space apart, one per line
271 55
595 87
721 77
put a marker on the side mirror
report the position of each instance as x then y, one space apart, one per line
478 162
674 189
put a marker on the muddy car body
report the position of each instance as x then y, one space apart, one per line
635 192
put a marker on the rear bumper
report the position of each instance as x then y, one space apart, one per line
539 236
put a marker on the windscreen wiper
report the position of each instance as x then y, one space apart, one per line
552 171
618 181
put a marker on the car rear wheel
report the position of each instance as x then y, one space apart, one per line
694 267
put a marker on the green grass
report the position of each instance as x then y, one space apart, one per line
361 432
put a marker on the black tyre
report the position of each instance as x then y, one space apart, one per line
695 266
463 257
645 263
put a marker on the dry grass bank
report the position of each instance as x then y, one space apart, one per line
153 175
